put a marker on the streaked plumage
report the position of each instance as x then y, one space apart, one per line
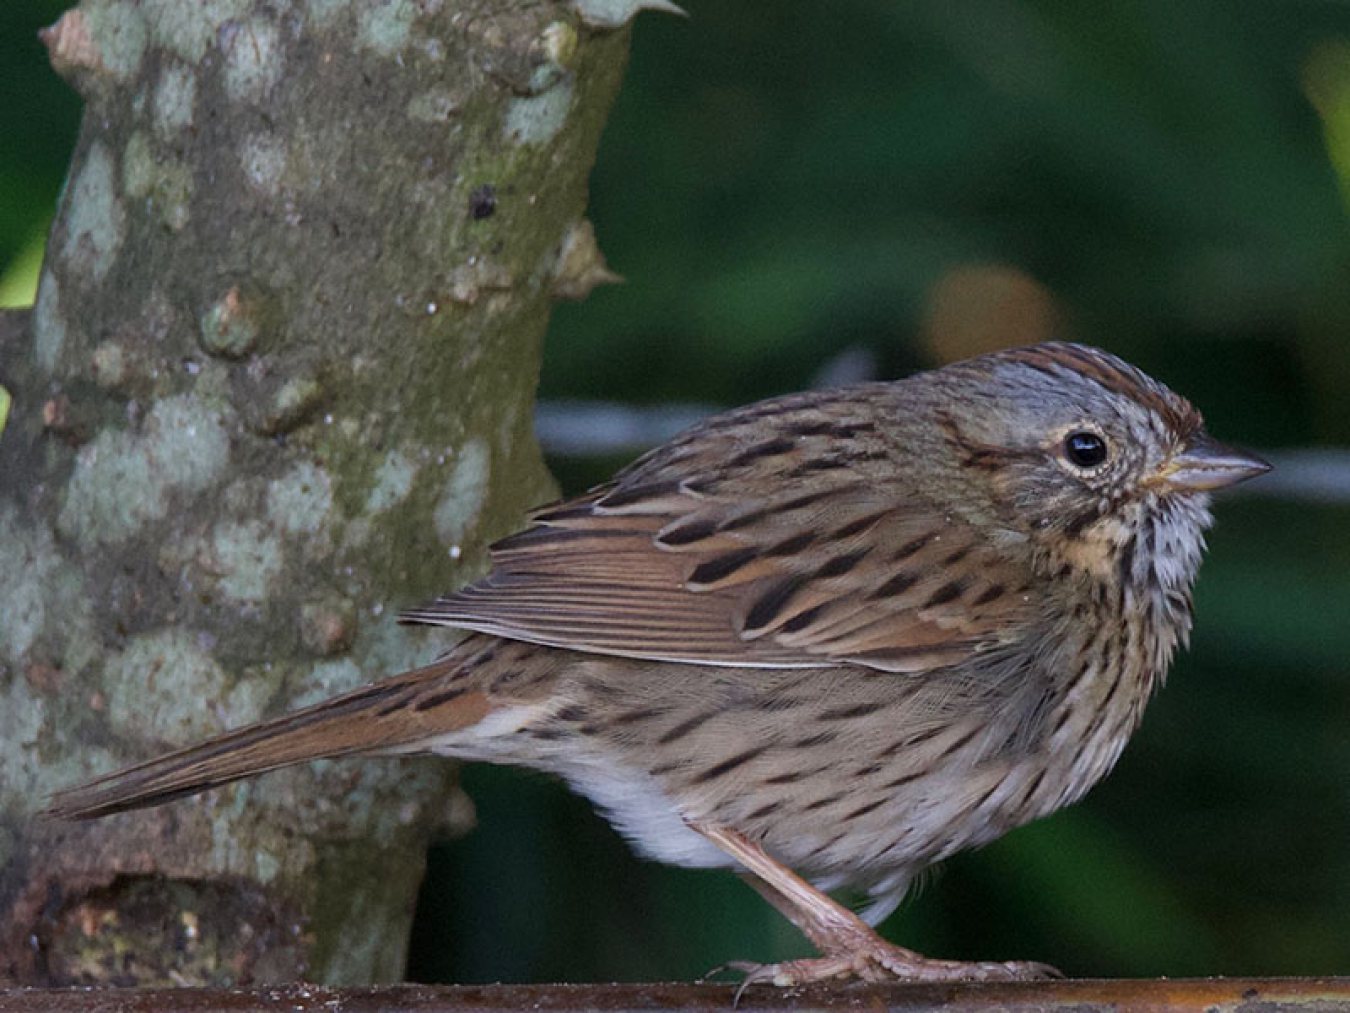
847 633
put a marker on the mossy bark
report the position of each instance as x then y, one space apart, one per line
278 378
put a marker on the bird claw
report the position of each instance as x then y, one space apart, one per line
884 963
736 966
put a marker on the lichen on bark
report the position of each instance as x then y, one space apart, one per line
278 378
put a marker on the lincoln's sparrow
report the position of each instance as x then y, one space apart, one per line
846 633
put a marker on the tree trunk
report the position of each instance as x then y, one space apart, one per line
278 379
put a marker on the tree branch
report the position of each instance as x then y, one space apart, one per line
287 340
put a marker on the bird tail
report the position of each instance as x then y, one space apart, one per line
383 717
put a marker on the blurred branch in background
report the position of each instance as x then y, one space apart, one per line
1311 475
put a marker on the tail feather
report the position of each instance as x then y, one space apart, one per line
400 711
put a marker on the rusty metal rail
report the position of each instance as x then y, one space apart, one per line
1250 995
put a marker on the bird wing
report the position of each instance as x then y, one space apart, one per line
777 536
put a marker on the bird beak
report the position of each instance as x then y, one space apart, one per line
1204 464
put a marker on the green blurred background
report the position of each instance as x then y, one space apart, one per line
791 187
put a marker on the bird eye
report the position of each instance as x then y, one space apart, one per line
1084 449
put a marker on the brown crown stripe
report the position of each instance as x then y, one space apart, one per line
1113 375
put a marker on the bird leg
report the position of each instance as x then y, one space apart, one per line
850 948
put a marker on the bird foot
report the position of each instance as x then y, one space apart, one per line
880 961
